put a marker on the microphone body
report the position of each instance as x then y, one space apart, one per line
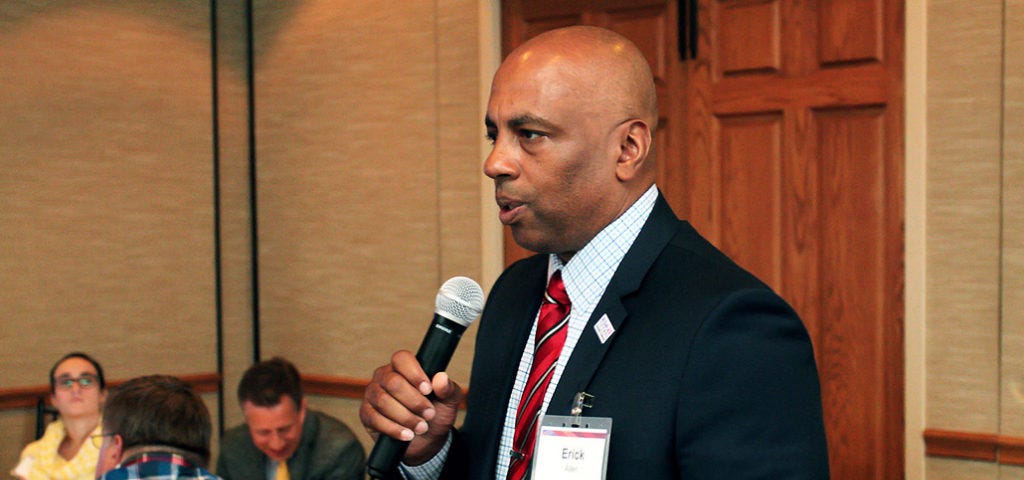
439 344
458 304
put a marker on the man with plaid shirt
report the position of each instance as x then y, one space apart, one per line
154 427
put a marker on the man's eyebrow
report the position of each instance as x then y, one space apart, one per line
518 121
521 120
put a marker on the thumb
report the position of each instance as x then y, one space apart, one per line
446 391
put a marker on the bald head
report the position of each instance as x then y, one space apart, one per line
597 63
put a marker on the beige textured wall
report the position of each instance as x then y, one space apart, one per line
1012 420
368 165
105 144
963 215
367 147
106 191
975 226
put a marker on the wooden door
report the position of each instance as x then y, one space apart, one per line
781 141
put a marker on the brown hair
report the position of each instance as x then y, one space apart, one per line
159 410
266 382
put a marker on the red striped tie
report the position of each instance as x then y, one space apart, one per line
551 323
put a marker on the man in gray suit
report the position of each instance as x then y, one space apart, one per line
281 438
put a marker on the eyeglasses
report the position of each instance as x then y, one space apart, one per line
85 381
97 440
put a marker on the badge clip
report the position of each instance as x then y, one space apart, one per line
580 401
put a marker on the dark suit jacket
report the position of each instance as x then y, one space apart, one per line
328 450
709 374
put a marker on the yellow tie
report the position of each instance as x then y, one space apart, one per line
282 471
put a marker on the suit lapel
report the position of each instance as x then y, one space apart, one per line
519 319
589 351
298 469
509 320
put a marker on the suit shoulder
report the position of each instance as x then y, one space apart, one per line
330 426
524 266
238 457
706 262
519 278
336 447
235 437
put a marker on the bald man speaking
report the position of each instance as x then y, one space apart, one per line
630 347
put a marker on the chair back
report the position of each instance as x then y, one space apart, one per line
44 415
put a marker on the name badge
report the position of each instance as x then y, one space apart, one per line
571 448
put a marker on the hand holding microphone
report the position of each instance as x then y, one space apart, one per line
459 302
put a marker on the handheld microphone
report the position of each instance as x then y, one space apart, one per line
459 301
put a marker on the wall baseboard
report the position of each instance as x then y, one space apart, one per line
986 447
328 386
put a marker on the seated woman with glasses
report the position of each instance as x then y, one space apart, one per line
77 390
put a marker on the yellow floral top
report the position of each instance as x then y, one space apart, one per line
40 461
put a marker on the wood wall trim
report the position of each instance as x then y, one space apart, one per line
328 386
203 382
986 447
972 446
16 398
343 387
27 397
1011 450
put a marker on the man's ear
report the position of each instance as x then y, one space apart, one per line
634 147
110 455
117 446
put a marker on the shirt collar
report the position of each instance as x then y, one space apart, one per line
597 261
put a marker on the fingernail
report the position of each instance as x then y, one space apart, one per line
407 435
429 413
425 388
421 428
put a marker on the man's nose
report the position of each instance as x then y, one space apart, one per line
501 162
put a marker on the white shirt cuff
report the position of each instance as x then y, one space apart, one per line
431 469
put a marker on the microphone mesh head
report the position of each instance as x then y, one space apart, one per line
460 299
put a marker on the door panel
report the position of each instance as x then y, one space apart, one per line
852 298
749 176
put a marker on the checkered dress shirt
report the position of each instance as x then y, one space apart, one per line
159 466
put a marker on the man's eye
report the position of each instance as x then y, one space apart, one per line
67 383
85 381
491 137
530 134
